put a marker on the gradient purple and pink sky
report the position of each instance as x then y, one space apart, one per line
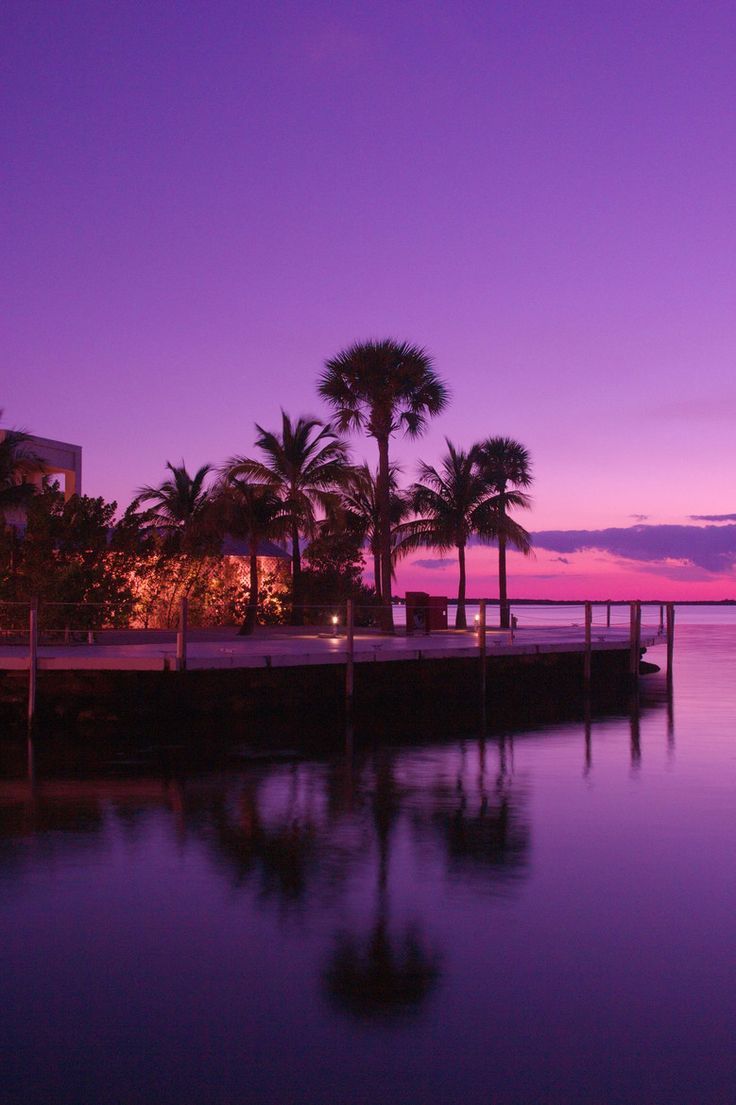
202 201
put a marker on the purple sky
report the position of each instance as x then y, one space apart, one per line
206 200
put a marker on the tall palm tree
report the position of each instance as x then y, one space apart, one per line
506 465
453 504
18 465
180 505
255 512
360 503
306 463
383 386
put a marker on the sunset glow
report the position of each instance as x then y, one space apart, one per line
201 210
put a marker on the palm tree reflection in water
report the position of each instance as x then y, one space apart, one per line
382 972
295 836
483 826
279 850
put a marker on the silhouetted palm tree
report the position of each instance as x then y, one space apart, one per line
506 466
18 465
306 463
453 504
255 512
383 386
360 502
180 506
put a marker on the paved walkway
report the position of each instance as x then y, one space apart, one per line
275 648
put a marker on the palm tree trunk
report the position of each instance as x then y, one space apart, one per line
252 612
503 605
297 610
460 622
384 512
377 569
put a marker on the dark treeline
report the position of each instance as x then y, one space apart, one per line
298 487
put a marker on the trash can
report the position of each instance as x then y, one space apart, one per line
417 610
437 612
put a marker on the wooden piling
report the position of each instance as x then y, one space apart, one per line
634 638
670 637
639 630
608 614
482 648
181 636
32 661
350 662
588 661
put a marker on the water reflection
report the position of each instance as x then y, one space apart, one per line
388 969
480 816
635 731
588 738
434 917
280 849
381 973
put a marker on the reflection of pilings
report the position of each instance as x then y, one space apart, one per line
670 717
588 745
482 767
31 763
635 729
505 759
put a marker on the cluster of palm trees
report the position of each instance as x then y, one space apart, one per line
302 481
469 497
289 492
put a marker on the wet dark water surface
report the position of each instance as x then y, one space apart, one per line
546 917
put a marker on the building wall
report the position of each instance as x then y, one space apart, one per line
60 459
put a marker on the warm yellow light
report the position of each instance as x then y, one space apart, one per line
334 619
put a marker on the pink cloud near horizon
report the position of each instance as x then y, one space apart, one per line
589 574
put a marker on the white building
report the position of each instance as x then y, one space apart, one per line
60 458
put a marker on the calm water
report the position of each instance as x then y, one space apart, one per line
550 917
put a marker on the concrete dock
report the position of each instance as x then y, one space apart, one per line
282 648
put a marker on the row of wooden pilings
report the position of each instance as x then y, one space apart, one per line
666 624
666 619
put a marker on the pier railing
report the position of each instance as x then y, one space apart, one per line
97 622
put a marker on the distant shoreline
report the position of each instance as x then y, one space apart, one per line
598 602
